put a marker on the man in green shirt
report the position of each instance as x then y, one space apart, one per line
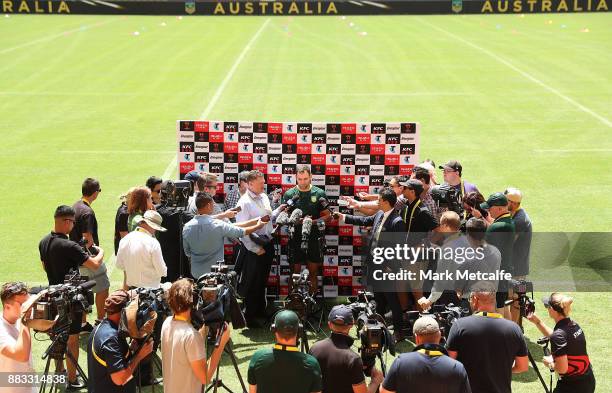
310 252
500 233
283 368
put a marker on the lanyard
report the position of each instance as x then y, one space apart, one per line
489 314
505 215
180 318
289 348
411 214
430 353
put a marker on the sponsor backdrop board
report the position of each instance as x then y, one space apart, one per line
345 159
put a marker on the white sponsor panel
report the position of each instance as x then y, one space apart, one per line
230 137
348 149
202 147
289 159
216 158
394 128
330 291
245 127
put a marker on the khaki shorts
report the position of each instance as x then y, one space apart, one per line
415 285
100 276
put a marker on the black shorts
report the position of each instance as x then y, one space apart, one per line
585 384
314 253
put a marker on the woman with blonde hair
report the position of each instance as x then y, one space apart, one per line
569 355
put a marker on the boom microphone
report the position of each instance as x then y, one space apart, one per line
295 217
306 229
283 218
87 285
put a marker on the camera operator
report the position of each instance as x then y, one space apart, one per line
308 202
386 220
257 249
569 355
471 201
184 365
15 339
86 226
500 233
140 255
490 347
452 171
59 255
203 235
341 368
283 368
154 184
108 366
427 369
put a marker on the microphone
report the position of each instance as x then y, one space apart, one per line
306 229
292 203
283 218
321 226
324 203
87 285
295 217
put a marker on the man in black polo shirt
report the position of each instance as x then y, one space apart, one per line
59 255
490 347
86 226
419 223
108 365
283 368
341 368
427 369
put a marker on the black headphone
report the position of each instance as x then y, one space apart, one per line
431 347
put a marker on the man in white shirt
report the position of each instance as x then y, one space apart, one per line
15 340
140 255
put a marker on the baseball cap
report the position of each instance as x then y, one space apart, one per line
287 321
153 219
413 184
192 176
452 164
425 326
116 301
497 199
341 315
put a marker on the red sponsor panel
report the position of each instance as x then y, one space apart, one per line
201 126
273 280
284 290
228 249
405 170
275 179
230 147
363 139
187 167
289 139
377 149
347 180
359 189
245 158
304 148
317 159
357 241
275 128
287 187
356 290
345 281
215 137
349 128
284 240
330 271
332 170
392 159
219 190
345 230
263 168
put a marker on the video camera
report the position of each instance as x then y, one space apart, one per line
59 304
299 300
526 303
215 302
444 314
447 197
175 194
143 316
372 331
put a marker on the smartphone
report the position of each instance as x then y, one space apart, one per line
265 218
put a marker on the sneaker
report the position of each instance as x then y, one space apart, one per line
86 328
76 385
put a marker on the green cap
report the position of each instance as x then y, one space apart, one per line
287 321
497 199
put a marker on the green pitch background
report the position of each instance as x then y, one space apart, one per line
520 100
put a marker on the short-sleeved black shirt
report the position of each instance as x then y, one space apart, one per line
121 224
568 339
85 221
487 345
105 346
419 220
60 254
341 367
419 372
284 371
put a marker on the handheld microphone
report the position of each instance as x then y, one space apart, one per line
292 203
295 217
306 229
324 203
283 218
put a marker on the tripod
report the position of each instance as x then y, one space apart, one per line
57 352
217 382
547 389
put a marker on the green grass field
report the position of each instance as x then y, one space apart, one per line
520 100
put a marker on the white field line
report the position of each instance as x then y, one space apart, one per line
528 76
52 37
573 150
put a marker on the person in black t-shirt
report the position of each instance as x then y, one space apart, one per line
59 255
342 369
427 369
108 365
86 226
568 347
490 347
121 220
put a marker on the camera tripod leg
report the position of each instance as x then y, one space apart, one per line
229 350
79 369
537 371
383 366
304 347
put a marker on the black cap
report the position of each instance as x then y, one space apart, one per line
413 184
452 164
192 176
341 315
